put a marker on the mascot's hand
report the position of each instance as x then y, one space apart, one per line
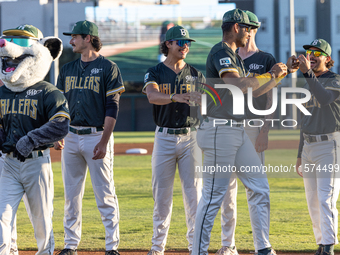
24 146
16 154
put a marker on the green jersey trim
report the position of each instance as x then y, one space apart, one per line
114 91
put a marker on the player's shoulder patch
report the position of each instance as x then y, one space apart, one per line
225 61
336 83
146 77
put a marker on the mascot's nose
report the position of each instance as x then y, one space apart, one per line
2 43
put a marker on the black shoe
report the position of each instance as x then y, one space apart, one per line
112 252
67 252
319 251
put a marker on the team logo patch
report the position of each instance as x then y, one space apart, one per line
190 78
32 92
315 42
146 77
183 32
336 83
96 70
225 61
255 66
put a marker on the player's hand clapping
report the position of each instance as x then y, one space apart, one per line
292 64
279 69
304 63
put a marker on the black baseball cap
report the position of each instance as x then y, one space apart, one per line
83 28
321 44
236 16
177 33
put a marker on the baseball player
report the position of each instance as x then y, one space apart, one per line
34 114
224 145
256 62
168 87
319 143
92 85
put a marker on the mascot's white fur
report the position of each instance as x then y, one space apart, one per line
22 67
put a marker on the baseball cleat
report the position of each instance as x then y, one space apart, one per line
153 252
67 252
112 252
14 252
225 250
319 251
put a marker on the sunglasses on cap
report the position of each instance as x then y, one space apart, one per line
181 43
247 28
316 53
23 41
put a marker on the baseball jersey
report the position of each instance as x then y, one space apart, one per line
222 59
30 109
324 119
258 63
87 88
174 115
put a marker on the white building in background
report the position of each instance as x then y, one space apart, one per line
313 19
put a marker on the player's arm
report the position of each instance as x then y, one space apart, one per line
260 84
298 160
111 114
158 98
323 95
261 143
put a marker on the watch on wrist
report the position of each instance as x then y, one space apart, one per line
272 74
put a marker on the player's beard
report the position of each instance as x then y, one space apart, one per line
79 48
242 38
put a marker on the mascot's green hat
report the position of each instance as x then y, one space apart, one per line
24 30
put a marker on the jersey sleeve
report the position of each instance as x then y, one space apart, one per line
56 105
224 62
333 84
114 81
149 78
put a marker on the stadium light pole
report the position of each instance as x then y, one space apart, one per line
292 51
55 63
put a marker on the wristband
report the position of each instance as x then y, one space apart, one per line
171 97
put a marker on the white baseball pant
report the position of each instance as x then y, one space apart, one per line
168 150
229 204
76 158
322 186
14 236
224 147
35 178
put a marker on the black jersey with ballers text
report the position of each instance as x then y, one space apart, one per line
324 119
28 110
87 87
222 59
173 115
258 63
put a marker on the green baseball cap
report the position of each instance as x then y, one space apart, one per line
236 16
83 28
254 21
24 30
321 44
177 33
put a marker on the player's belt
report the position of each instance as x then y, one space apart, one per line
85 131
315 138
181 131
38 154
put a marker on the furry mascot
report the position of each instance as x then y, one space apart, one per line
34 114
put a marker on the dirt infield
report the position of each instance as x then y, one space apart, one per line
121 148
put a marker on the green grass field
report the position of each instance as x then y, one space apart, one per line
291 228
